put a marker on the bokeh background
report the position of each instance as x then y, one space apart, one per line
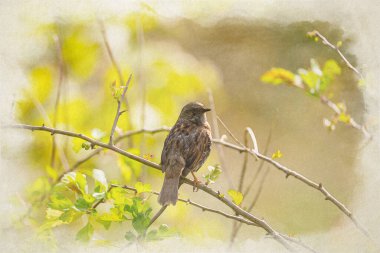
178 52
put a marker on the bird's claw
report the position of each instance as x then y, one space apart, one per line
196 184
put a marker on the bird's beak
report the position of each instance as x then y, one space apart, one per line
206 109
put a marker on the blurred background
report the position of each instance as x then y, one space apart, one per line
174 61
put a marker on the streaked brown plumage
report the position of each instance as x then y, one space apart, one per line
185 150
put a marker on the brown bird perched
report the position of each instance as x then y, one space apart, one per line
185 150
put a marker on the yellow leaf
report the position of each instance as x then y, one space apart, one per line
41 79
237 197
278 76
277 154
140 187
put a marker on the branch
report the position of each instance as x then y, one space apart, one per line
336 48
298 176
118 112
189 202
117 140
338 111
239 211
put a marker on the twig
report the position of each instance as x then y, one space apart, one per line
259 222
58 97
336 48
288 172
237 227
260 166
117 140
338 111
118 112
115 65
216 134
109 52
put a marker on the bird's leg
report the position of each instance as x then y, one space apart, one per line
196 182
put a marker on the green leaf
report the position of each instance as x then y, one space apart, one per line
82 205
278 76
119 196
59 202
130 236
140 187
85 234
140 223
339 44
213 175
106 224
110 217
331 68
69 216
39 188
81 182
237 197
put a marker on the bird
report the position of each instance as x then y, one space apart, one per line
186 148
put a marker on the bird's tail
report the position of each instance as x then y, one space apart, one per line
169 191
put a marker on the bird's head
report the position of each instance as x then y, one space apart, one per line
194 112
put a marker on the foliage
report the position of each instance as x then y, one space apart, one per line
237 197
315 81
213 174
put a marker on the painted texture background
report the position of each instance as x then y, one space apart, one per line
238 40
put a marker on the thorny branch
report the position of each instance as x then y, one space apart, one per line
186 201
334 107
336 48
239 211
288 172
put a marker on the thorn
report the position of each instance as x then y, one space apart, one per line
287 175
320 186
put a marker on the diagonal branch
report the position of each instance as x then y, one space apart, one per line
319 187
336 48
118 112
239 211
287 171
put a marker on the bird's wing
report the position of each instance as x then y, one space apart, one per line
199 151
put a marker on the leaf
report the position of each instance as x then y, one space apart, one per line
237 197
140 223
141 188
277 154
331 69
39 188
81 182
345 118
119 196
82 205
106 224
315 67
59 202
41 79
130 236
52 173
85 234
112 216
100 180
278 76
213 175
339 44
69 216
53 213
80 52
